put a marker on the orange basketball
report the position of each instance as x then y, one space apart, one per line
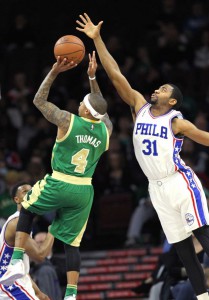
70 47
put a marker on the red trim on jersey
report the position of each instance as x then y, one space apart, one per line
24 290
192 198
2 249
11 297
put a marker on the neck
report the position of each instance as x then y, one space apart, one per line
159 111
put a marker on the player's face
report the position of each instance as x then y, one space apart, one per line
22 191
162 95
81 109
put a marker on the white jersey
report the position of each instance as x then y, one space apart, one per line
21 289
175 191
156 148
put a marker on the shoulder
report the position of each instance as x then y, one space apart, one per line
180 125
176 114
144 108
139 100
10 231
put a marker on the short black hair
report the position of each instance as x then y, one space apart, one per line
13 191
176 94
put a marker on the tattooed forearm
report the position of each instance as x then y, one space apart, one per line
50 111
94 86
43 91
108 123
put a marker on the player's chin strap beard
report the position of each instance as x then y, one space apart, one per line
94 113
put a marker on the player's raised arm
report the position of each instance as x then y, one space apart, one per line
50 111
189 130
92 67
95 87
129 95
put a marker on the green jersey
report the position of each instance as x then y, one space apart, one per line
78 152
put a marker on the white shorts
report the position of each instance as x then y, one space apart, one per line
21 289
180 203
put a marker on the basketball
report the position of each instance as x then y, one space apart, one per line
70 47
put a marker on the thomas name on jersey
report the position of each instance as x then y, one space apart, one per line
88 139
151 129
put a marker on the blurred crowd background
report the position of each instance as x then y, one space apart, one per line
154 42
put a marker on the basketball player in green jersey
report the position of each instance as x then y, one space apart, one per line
80 142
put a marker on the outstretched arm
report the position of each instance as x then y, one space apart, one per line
95 87
50 111
129 95
189 130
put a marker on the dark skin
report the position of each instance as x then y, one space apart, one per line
32 248
35 251
161 99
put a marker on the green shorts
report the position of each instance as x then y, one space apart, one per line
72 203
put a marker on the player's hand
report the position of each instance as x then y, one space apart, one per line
88 27
92 65
62 65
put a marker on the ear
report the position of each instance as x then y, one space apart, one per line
172 101
17 200
87 112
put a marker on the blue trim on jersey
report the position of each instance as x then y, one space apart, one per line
5 258
177 148
188 173
16 292
13 290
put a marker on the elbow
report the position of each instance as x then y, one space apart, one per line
40 260
35 100
42 254
40 257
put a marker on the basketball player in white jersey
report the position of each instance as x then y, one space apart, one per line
175 190
24 288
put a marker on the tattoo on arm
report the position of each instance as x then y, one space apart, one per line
94 86
108 123
50 111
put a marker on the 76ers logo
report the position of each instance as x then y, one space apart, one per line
190 219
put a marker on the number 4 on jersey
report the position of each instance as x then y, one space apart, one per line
80 160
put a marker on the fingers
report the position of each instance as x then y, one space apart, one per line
65 64
79 23
59 59
83 19
100 24
80 29
94 55
71 65
87 17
